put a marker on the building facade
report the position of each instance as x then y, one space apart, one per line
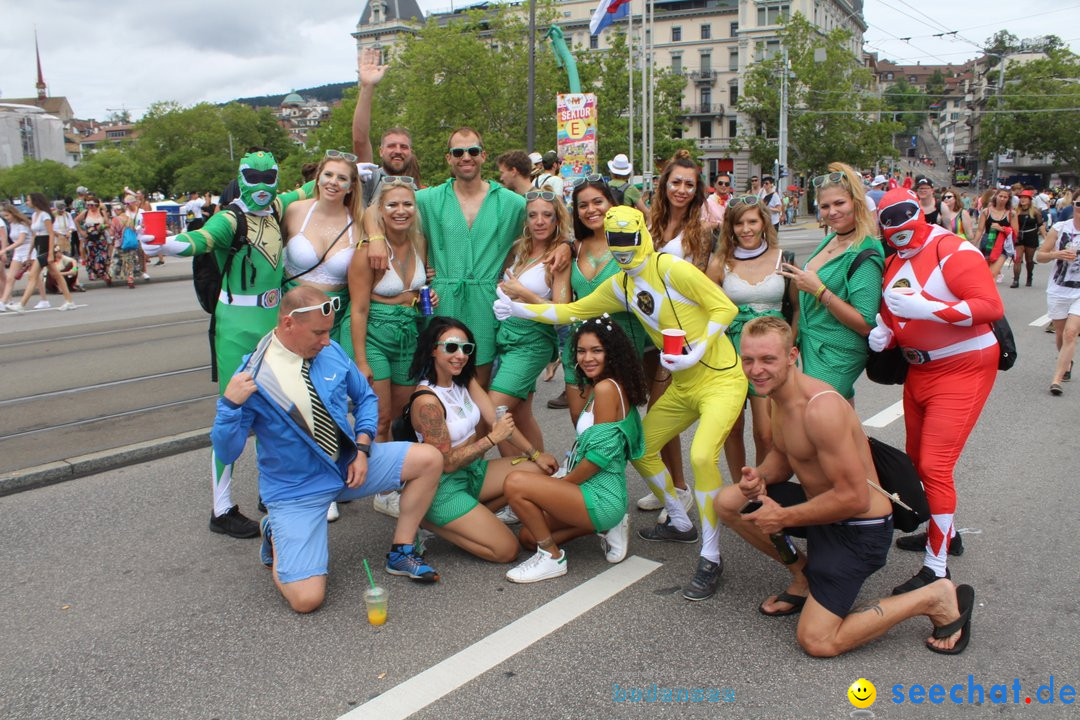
29 133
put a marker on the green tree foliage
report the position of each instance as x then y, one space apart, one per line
53 179
107 171
818 92
908 104
1030 124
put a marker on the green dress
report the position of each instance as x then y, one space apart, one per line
468 261
609 446
830 350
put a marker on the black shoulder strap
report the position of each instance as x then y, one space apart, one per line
859 260
424 391
238 242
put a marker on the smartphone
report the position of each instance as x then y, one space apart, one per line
750 506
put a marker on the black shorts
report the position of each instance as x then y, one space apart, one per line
41 249
841 556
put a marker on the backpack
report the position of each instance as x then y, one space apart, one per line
401 429
898 476
618 192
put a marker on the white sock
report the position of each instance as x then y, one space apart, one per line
222 477
940 527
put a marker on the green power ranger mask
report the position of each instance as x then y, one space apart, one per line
628 238
258 178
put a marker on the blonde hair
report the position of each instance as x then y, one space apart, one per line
354 202
732 215
851 182
766 324
523 246
415 237
15 214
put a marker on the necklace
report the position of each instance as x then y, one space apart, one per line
742 253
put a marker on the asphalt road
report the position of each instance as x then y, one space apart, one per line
119 603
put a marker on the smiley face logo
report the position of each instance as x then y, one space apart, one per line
862 693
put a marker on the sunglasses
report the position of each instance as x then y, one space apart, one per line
744 200
827 179
542 194
398 180
723 184
450 347
473 151
331 305
947 197
1076 204
579 181
339 155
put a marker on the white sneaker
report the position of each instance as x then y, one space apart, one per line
42 305
388 503
649 502
16 307
685 496
616 541
541 566
332 512
3 307
145 276
508 516
67 306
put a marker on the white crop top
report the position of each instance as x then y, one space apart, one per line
300 255
762 296
674 247
534 279
390 284
462 414
37 223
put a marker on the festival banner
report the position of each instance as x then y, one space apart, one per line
577 145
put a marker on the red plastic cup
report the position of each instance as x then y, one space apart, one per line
154 224
674 340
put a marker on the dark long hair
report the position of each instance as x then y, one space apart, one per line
621 361
697 242
39 202
422 366
580 230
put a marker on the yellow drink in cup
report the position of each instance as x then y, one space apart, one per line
375 599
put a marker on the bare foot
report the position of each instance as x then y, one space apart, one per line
797 588
943 612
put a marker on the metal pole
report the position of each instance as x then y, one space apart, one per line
783 140
1001 89
630 68
530 126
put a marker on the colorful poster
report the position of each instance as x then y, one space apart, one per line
576 119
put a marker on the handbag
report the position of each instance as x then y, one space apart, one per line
1006 343
887 367
129 240
401 429
898 477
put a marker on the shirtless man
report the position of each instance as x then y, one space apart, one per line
818 437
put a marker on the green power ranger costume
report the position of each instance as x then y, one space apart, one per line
247 306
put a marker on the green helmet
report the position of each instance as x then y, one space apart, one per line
258 178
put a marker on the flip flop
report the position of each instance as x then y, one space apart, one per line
796 602
965 601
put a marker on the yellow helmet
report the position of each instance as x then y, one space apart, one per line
628 237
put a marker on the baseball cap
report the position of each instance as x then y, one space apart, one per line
878 180
535 157
923 180
550 156
620 165
1027 193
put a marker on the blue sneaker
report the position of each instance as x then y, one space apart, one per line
404 560
266 551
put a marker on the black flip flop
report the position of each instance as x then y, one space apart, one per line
965 601
796 602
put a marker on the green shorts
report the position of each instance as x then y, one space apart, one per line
524 347
391 341
458 493
603 499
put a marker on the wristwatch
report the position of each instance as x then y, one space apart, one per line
364 448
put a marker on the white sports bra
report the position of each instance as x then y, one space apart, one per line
390 284
674 247
462 414
587 418
300 255
534 279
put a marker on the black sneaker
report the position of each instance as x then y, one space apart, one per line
667 532
559 403
703 585
234 524
917 543
924 577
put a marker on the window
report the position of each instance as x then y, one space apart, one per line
772 14
733 91
705 130
676 34
706 62
732 127
676 64
706 31
888 76
733 59
594 41
734 29
706 99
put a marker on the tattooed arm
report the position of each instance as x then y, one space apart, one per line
430 423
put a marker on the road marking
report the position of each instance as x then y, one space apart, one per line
890 414
421 690
1040 322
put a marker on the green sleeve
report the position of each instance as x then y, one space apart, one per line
304 192
864 287
215 236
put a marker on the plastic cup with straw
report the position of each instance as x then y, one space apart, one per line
374 599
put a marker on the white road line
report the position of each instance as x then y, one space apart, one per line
890 414
421 690
1040 322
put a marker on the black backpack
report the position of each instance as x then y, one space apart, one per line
401 429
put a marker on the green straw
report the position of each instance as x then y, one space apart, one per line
367 569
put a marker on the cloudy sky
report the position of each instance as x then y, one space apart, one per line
127 54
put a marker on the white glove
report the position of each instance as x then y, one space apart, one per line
913 307
880 337
364 170
674 363
504 307
169 247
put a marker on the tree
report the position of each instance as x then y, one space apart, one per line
935 86
52 179
909 105
832 113
1039 116
107 171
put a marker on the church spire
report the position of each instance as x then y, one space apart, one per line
42 93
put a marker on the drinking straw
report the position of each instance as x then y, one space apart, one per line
367 569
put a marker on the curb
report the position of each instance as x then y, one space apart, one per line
83 465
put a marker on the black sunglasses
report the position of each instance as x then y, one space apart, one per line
723 184
450 347
331 305
579 181
542 194
473 151
338 154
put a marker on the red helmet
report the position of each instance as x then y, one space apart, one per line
902 220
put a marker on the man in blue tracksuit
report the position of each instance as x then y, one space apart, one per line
294 392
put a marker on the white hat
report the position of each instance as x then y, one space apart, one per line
535 158
620 165
878 180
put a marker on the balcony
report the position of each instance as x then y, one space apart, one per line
715 144
703 110
704 77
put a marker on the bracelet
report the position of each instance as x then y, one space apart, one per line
829 301
533 455
490 441
372 238
820 290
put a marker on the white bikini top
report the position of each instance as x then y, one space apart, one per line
534 279
768 294
462 414
300 255
674 247
391 284
587 418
